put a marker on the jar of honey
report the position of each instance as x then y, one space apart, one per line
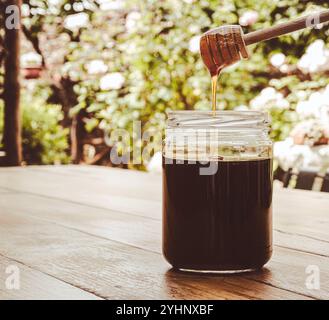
217 191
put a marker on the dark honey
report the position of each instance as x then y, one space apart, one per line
219 222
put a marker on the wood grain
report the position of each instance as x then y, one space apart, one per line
286 27
87 227
116 271
105 182
118 226
37 285
4 191
134 230
127 195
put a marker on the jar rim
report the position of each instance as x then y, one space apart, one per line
219 111
226 135
220 119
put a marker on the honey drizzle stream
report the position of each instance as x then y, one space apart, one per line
214 80
213 91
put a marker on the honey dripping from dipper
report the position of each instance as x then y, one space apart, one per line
219 48
223 46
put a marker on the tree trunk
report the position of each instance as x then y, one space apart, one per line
11 95
68 99
77 137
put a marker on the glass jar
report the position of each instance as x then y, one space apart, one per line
217 191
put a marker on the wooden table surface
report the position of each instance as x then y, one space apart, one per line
95 233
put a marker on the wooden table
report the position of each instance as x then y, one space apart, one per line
95 233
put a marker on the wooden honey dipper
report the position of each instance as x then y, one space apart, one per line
226 45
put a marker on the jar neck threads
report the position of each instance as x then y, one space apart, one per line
225 135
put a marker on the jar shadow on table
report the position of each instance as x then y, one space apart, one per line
188 285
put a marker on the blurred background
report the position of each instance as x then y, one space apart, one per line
88 67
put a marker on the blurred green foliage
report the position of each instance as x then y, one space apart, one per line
149 44
44 139
162 73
